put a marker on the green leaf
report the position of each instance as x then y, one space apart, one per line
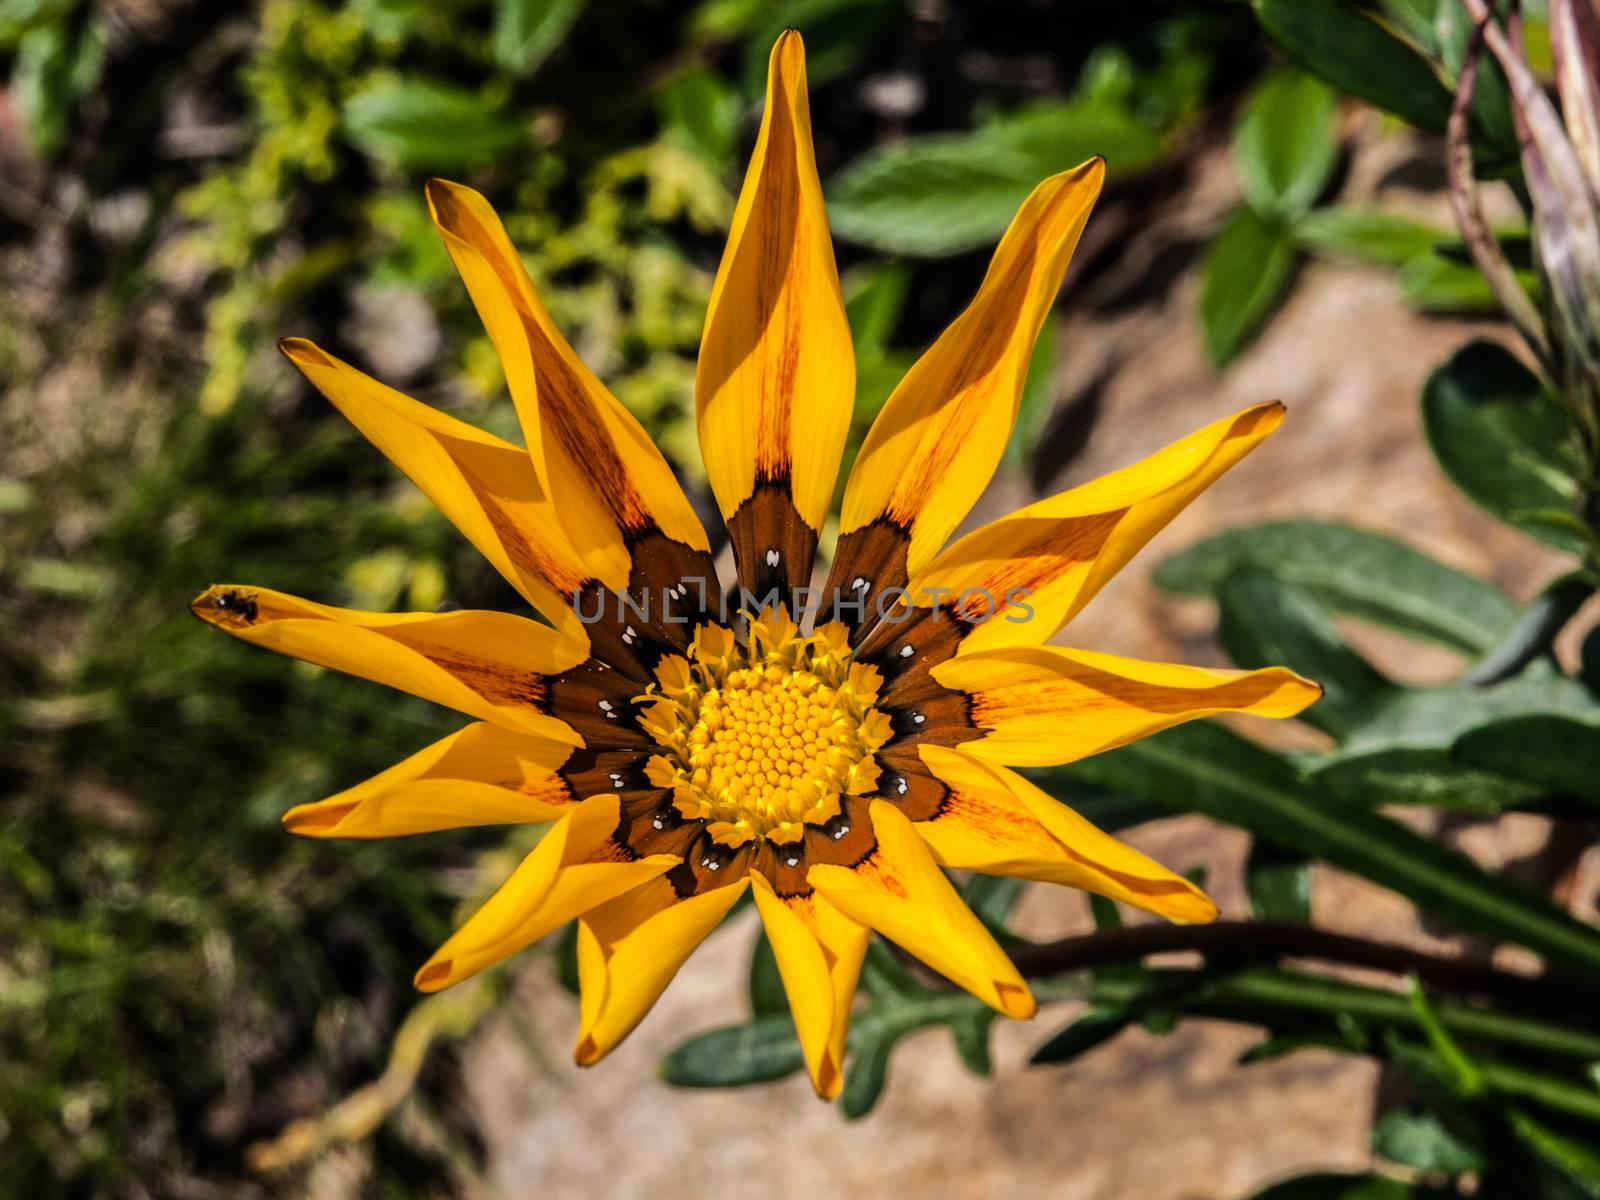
1284 146
57 64
1558 755
1339 44
971 1035
1369 235
1433 718
1267 621
1503 439
1094 1028
423 125
1207 769
1420 1140
767 997
1339 1187
699 110
865 1077
1248 266
939 194
991 899
1279 883
1437 284
1278 1046
1579 1160
761 1051
874 298
527 31
947 193
1354 572
1411 776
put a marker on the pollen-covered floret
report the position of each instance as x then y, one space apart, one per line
763 738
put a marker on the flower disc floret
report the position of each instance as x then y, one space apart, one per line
762 738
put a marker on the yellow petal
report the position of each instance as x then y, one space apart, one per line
776 378
587 449
480 775
1044 705
628 952
1056 554
576 867
997 822
486 487
490 665
931 451
819 952
901 892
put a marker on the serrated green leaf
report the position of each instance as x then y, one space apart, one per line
1369 235
1284 146
1421 1141
1341 45
1247 268
424 125
1266 621
1354 572
1502 438
1205 768
526 32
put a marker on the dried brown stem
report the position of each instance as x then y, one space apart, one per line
1547 992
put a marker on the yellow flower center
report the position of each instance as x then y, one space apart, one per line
763 738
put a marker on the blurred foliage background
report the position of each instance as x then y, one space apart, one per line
183 183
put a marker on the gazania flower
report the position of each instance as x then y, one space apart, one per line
833 768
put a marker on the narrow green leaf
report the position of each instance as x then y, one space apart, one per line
1502 438
971 1035
526 32
740 1054
1354 572
424 125
1436 283
874 298
767 997
1266 621
991 899
1247 267
1560 756
57 64
1577 1159
1094 1028
1279 883
1465 1075
1207 769
865 1077
1282 1045
1338 43
1433 777
1284 145
1105 912
1369 235
1420 1140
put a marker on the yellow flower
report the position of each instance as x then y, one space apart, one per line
686 756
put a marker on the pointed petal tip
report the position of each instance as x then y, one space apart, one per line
446 201
587 1052
303 352
316 820
788 59
1016 1002
828 1082
434 975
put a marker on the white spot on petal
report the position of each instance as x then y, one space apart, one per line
907 650
918 718
772 558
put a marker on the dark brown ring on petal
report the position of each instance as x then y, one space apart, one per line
905 781
708 864
773 547
598 702
867 563
650 823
